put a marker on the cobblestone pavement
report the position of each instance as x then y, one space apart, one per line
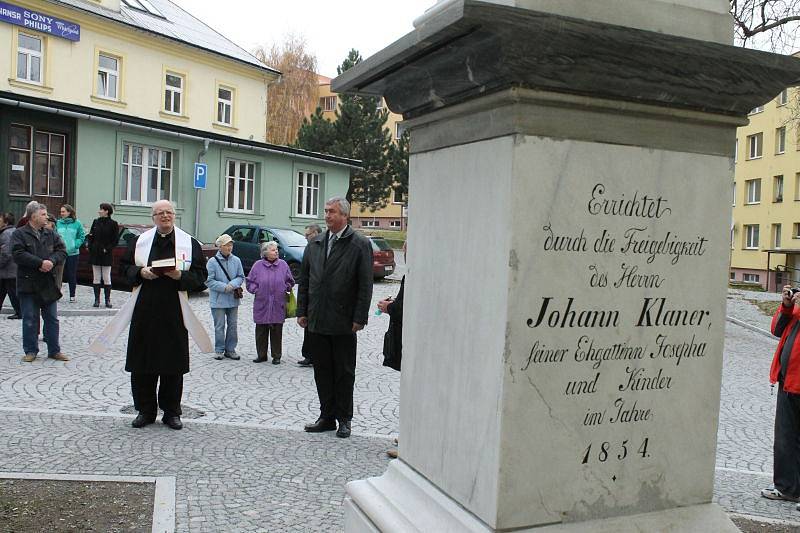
244 463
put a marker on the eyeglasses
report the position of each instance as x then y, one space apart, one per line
164 214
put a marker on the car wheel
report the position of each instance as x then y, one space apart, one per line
294 268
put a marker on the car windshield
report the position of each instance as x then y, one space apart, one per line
290 237
380 243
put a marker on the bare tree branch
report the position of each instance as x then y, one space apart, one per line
295 96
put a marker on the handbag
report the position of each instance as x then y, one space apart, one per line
291 305
47 292
238 293
390 357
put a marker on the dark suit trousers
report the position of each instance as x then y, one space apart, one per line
168 398
334 373
786 447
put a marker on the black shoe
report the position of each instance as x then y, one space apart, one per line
344 429
232 356
305 361
142 420
322 424
276 360
260 360
96 303
14 317
108 304
173 422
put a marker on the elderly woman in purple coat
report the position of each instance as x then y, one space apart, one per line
270 280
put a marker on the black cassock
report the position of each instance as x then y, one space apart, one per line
158 342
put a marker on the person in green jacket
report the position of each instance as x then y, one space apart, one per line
71 231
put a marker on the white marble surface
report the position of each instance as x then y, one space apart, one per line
453 331
566 441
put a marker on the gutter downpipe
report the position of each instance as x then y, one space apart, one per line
202 153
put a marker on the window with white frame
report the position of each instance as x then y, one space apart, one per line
395 224
732 276
783 98
307 194
327 103
146 174
225 106
777 189
751 236
797 187
734 194
173 93
776 236
751 278
397 196
398 130
240 185
754 145
780 140
108 76
755 110
736 151
30 58
369 223
753 191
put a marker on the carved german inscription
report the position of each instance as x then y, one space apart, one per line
622 356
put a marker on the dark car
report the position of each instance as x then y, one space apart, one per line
126 233
247 239
382 257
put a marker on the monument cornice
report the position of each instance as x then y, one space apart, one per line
472 48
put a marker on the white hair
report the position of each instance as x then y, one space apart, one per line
341 202
266 245
34 207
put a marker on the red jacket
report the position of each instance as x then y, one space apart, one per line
791 383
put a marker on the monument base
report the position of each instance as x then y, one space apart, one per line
403 500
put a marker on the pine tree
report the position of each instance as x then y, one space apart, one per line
358 132
317 134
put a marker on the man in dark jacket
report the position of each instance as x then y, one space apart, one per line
8 268
158 342
37 250
333 302
312 230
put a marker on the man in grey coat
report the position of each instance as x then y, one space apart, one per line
37 251
334 295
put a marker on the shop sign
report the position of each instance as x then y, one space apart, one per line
34 20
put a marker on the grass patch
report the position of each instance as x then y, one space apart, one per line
394 238
768 308
746 286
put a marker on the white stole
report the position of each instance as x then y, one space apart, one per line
121 321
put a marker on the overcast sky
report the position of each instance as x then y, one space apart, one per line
331 29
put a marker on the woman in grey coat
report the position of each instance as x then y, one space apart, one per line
8 268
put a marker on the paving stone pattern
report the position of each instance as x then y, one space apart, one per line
246 465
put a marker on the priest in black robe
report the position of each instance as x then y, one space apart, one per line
158 343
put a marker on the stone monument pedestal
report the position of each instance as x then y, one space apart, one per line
565 303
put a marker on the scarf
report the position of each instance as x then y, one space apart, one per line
121 321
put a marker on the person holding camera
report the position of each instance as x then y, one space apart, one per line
225 279
785 371
270 280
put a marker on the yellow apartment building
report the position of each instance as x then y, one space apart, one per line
765 230
119 100
392 217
